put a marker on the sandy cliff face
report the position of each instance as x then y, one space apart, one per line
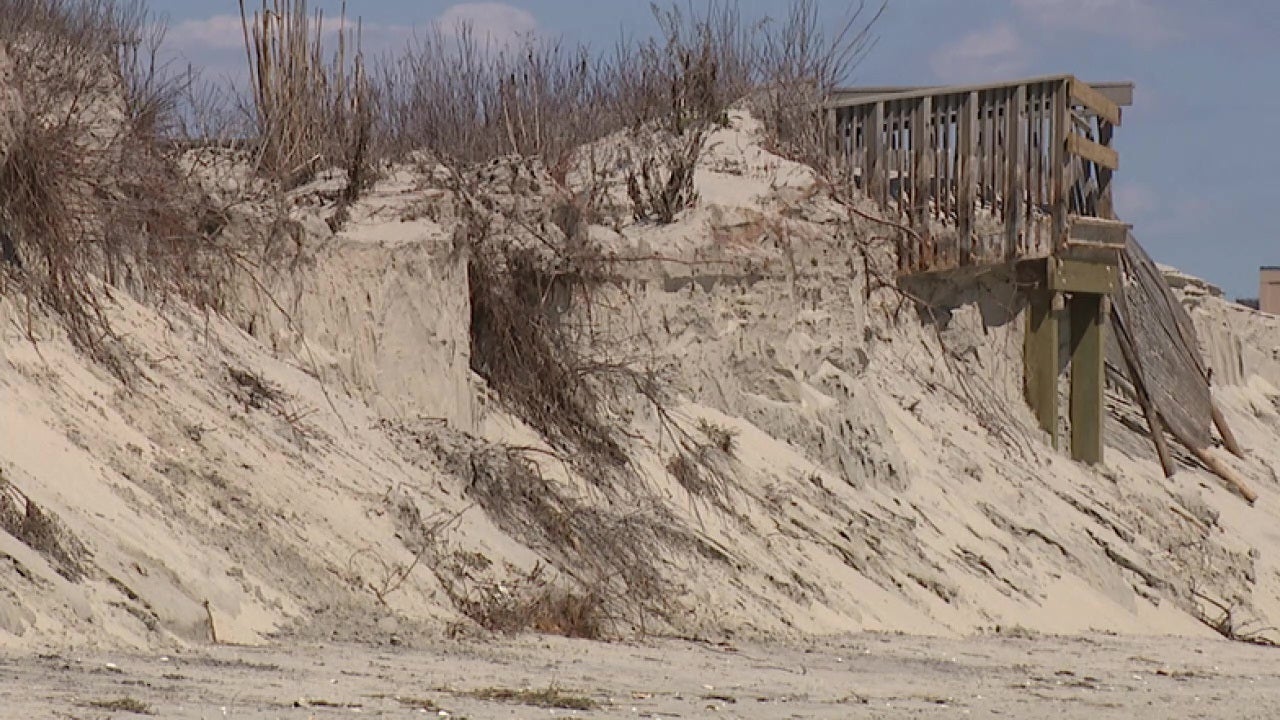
323 462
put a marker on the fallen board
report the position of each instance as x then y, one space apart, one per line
1160 349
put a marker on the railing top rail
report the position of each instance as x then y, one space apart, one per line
1119 92
941 90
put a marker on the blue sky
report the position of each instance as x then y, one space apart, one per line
1200 148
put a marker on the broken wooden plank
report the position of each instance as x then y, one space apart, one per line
1216 465
1163 352
1228 437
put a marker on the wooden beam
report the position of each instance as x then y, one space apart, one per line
1040 360
1118 92
1228 437
1093 152
1097 232
1224 471
1088 353
1076 276
1100 104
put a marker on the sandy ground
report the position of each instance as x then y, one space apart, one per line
865 676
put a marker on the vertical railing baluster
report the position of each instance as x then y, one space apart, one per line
875 149
1014 194
1106 207
967 147
1061 183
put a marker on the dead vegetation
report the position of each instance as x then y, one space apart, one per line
311 110
89 198
552 697
605 565
35 527
1232 621
123 704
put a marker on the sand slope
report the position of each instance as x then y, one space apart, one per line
281 464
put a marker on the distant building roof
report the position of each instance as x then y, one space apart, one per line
1270 267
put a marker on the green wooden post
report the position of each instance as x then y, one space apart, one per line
1088 348
1040 360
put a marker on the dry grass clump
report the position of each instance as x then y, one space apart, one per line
87 197
309 112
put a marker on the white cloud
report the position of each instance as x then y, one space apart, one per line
1138 21
988 54
494 23
220 32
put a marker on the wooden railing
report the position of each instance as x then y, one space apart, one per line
986 174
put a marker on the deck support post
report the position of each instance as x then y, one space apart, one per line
1088 312
1040 359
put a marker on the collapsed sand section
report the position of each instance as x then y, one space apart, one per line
884 473
379 309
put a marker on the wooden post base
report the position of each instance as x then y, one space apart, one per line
1088 313
1040 360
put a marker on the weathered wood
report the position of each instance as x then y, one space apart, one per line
1162 347
1015 170
1218 467
1076 276
1120 93
921 151
1040 360
1098 232
949 156
1100 104
967 148
1093 152
875 139
1088 375
1156 428
1106 206
1228 437
1060 184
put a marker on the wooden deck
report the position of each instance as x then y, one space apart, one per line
987 174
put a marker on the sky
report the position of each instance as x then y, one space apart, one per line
1199 174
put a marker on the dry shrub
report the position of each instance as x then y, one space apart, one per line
468 103
801 65
531 603
309 113
465 102
86 194
522 349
